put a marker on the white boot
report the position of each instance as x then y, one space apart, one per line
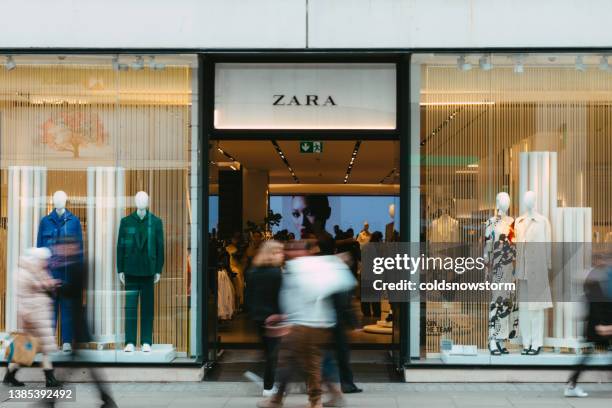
146 348
129 348
67 348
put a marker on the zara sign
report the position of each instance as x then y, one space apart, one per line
305 96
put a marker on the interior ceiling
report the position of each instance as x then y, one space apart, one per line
375 160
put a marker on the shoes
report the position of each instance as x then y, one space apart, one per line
271 392
129 348
494 348
269 403
335 401
532 352
67 348
525 351
501 348
50 380
350 389
575 391
146 348
10 379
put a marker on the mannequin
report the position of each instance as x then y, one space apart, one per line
391 234
364 236
58 227
140 259
533 261
499 255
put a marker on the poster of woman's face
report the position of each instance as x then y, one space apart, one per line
309 213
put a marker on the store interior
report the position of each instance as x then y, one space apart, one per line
253 187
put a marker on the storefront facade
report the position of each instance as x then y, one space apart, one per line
486 98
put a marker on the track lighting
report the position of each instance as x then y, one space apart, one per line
485 63
603 63
580 64
10 63
352 161
284 159
138 64
462 64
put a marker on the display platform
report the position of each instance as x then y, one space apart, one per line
546 358
160 353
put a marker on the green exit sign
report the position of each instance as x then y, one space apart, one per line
311 147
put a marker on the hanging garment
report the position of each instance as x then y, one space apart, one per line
140 247
55 229
225 295
533 260
444 229
499 247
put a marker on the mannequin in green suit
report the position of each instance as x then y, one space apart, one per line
140 259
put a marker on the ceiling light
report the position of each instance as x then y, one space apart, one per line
473 165
10 63
138 64
580 64
462 64
603 63
485 63
519 68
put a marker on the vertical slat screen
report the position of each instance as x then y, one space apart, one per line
474 124
135 119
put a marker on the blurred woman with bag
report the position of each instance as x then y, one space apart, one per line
35 310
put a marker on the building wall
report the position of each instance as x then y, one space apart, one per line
286 24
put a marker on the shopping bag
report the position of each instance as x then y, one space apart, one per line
21 349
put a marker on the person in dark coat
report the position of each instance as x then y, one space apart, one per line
599 322
263 283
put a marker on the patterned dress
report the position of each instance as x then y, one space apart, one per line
499 245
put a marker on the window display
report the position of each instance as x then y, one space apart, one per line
518 162
98 164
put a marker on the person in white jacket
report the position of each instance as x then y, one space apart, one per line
305 300
35 310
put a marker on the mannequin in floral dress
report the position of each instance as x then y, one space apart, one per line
499 256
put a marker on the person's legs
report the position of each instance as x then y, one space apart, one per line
132 292
537 328
146 310
270 347
66 314
311 362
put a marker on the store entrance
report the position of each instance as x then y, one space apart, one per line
270 189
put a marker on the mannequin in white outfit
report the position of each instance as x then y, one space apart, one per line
533 261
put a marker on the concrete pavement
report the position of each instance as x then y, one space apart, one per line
376 395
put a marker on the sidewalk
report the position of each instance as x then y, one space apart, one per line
245 395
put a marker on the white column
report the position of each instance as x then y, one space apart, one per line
105 187
26 206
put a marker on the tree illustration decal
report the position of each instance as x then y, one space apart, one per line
71 131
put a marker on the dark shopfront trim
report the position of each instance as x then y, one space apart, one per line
206 59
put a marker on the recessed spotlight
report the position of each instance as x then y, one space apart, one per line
10 63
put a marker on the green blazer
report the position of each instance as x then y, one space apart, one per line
140 247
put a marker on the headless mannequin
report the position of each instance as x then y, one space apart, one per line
530 266
141 200
59 202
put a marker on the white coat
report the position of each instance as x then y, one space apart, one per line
34 304
533 259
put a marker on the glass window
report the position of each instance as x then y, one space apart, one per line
535 127
98 163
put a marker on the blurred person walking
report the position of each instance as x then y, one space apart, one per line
598 291
35 293
263 284
71 293
306 300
